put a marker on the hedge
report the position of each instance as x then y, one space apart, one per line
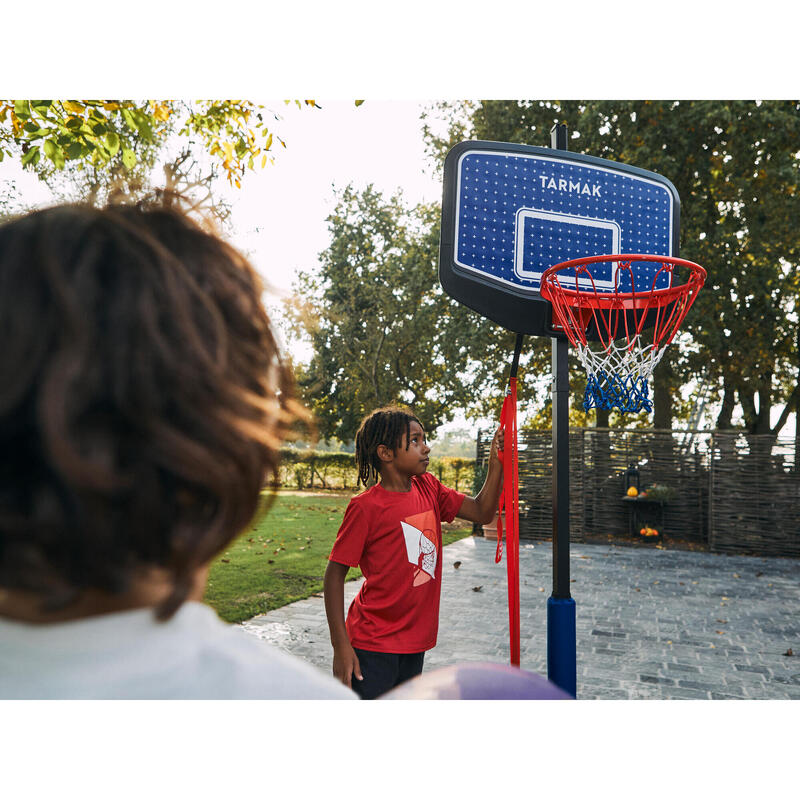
316 469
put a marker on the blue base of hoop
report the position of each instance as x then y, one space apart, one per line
608 390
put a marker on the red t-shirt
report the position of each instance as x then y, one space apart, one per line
396 540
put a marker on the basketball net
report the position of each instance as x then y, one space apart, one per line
642 318
618 376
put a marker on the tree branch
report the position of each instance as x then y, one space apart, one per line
791 405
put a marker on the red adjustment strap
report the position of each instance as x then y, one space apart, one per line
501 455
509 500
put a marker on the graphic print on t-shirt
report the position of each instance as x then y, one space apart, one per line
419 532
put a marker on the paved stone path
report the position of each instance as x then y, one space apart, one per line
658 624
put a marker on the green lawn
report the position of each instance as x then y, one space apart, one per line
282 557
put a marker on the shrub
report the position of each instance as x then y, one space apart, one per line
316 469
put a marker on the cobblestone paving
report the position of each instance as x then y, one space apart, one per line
650 624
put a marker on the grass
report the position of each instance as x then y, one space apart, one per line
282 556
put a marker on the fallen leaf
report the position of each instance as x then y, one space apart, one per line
259 553
541 588
638 590
456 564
722 621
301 548
759 574
789 652
225 560
270 561
681 583
719 632
477 588
735 574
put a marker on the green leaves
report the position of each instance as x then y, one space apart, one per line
31 157
128 158
127 116
111 132
112 142
54 153
75 150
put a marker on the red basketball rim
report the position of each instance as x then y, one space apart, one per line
646 298
574 307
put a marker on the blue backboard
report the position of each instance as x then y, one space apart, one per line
510 211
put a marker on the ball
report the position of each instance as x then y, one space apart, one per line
478 681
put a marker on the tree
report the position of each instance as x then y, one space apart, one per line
9 201
96 181
49 134
381 328
735 166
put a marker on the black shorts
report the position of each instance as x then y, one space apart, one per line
383 671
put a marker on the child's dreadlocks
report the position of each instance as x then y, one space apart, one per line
383 426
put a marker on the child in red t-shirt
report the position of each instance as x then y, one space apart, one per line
393 532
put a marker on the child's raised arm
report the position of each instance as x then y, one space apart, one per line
345 660
482 507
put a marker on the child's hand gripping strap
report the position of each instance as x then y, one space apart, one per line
509 500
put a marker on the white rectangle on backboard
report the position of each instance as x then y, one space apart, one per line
534 271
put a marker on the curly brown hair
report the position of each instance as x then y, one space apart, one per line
143 399
384 426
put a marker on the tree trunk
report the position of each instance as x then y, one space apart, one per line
601 417
748 403
662 394
797 435
724 420
797 412
764 407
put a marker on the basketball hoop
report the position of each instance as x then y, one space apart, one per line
643 302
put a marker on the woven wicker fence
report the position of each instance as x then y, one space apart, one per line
730 491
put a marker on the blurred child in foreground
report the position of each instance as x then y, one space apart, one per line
143 400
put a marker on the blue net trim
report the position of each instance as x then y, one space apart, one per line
609 390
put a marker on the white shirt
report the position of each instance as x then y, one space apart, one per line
130 655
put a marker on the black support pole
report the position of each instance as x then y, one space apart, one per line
560 399
561 653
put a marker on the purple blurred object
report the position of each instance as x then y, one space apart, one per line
478 681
